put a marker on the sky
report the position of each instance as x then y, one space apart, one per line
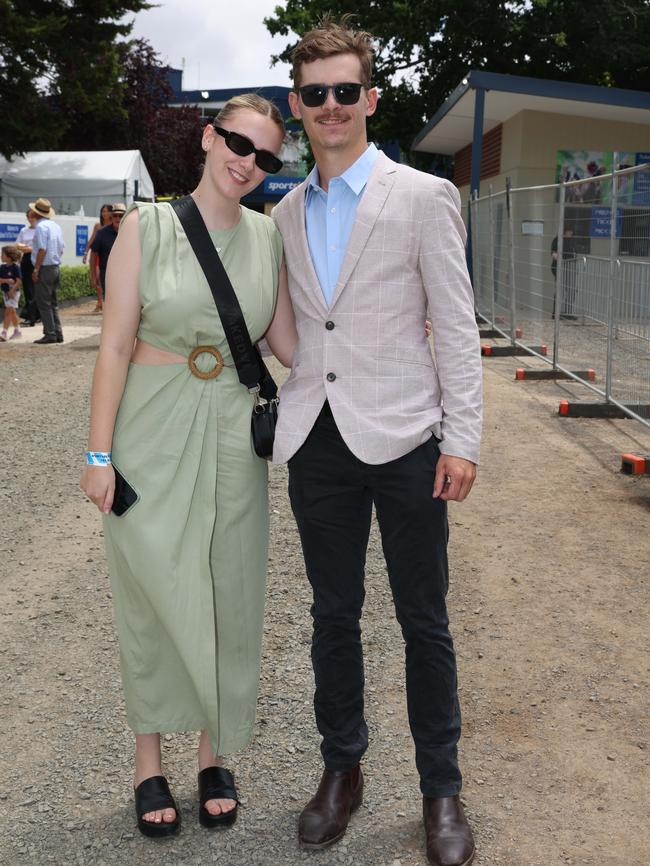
218 43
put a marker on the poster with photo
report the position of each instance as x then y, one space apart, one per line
642 180
582 165
633 189
626 159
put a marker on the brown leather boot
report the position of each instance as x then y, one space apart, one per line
449 836
325 818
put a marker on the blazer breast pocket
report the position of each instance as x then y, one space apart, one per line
398 358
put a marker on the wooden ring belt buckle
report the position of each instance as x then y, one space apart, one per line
209 374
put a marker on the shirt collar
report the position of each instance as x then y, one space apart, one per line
356 176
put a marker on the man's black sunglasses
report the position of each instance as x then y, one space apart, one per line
243 146
314 95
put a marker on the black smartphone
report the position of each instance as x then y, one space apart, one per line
125 496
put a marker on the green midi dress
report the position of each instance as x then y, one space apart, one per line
188 560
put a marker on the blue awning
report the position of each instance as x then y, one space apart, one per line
451 127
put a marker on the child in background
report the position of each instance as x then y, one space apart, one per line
10 281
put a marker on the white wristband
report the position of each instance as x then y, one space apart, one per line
98 458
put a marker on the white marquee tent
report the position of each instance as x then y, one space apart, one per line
72 180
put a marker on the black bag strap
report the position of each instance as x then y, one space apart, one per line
251 369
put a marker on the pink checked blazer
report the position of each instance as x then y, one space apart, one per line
368 354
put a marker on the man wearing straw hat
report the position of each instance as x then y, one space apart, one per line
47 249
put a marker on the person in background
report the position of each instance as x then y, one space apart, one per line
100 248
10 282
568 283
104 220
368 417
24 240
47 250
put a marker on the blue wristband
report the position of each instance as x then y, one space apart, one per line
98 458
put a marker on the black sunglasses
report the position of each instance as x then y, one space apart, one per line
243 146
314 95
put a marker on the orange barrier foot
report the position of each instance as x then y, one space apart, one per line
586 375
511 351
585 409
632 464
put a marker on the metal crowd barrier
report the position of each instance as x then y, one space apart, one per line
561 279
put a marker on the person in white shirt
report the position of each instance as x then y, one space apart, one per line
24 240
47 249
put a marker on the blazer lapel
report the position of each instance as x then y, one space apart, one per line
372 201
302 250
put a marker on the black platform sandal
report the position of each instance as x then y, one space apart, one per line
217 783
153 795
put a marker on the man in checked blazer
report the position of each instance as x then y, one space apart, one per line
367 417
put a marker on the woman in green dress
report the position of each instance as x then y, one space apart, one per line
188 559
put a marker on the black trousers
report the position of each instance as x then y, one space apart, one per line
30 310
332 493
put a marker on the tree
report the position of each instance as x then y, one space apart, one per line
424 48
59 68
168 138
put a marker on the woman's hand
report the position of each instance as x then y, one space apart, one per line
98 483
84 258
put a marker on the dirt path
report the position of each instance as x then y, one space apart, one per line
549 607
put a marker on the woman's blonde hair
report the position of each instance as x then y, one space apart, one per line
251 102
12 252
329 39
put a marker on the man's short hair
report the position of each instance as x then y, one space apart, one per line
330 38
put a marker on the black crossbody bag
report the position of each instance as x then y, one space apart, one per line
251 369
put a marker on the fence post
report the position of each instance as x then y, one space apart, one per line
476 270
511 244
492 261
613 225
558 298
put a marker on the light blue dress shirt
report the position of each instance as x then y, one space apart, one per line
329 217
49 237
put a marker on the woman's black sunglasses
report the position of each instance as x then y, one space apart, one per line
314 95
243 146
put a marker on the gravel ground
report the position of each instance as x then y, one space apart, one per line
549 609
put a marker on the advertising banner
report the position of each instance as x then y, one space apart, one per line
580 165
279 184
9 231
642 180
81 236
584 164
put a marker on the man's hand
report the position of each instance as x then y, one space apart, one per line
454 478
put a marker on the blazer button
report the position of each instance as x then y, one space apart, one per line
331 377
330 326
